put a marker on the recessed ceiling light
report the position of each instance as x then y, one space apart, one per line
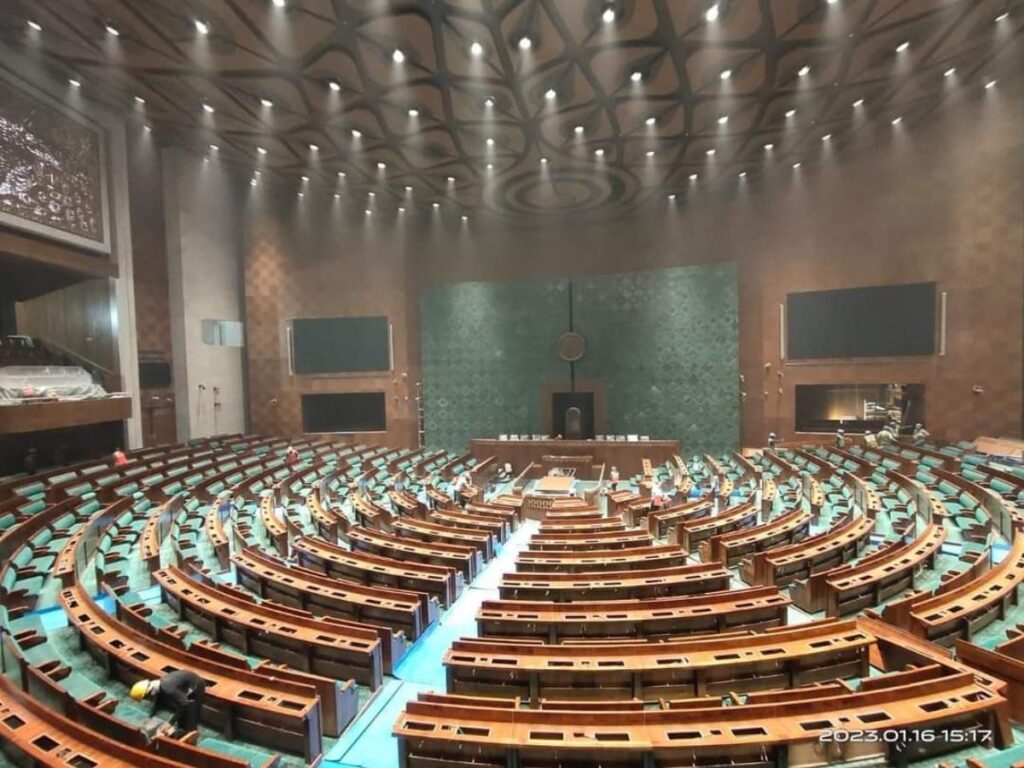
334 85
636 76
401 209
369 212
902 46
608 16
543 161
599 152
337 196
723 120
451 179
949 72
990 84
650 121
261 150
206 160
490 166
257 174
797 164
476 49
414 112
790 112
202 27
525 43
305 179
253 182
858 103
826 137
711 14
139 100
266 102
341 174
381 166
35 26
897 120
435 205
650 153
550 94
314 147
75 83
397 56
208 109
112 30
742 174
488 102
725 74
1002 16
408 188
693 177
672 196
214 148
371 194
804 71
356 133
578 129
147 127
710 152
768 147
490 142
832 2
464 217
278 3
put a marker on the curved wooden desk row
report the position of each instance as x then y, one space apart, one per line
782 565
440 582
561 586
443 731
497 526
690 533
755 608
386 610
883 573
730 548
265 707
590 540
577 560
583 524
779 658
433 532
296 638
465 559
660 522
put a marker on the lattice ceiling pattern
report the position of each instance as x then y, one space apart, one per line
526 108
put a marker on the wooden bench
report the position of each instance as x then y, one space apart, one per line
730 548
614 585
689 533
465 559
590 540
661 521
576 560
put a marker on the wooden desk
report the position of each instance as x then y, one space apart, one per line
627 456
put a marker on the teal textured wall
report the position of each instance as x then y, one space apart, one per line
665 343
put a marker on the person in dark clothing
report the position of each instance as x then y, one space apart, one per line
181 691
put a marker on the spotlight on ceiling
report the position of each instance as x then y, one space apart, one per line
278 3
550 94
314 147
897 120
693 177
381 166
726 74
253 182
650 121
488 102
1002 16
414 112
949 72
435 205
202 27
139 100
451 179
650 153
858 103
742 174
711 14
525 43
797 164
636 76
214 148
578 130
990 84
356 133
147 127
790 112
769 147
902 46
672 196
75 83
371 195
599 152
608 16
476 49
490 166
112 30
341 174
401 209
543 161
490 142
305 179
804 71
261 150
723 120
397 56
35 26
711 152
827 137
266 102
369 212
464 217
334 85
208 109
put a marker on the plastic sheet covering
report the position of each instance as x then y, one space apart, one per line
25 383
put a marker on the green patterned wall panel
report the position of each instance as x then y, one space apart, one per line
486 347
665 344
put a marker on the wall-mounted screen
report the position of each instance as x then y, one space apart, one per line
326 345
154 374
882 321
344 412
